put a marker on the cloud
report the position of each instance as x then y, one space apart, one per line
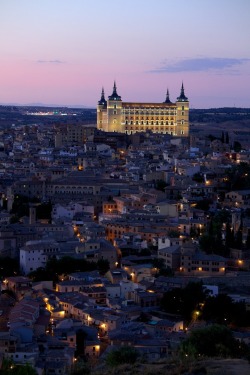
50 62
201 64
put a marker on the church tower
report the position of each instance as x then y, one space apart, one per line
182 117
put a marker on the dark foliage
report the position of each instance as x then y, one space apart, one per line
125 354
213 341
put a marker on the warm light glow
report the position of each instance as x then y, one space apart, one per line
200 268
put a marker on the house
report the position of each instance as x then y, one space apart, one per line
19 285
200 264
98 249
171 256
238 198
35 254
145 298
168 208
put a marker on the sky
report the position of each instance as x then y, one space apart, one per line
62 52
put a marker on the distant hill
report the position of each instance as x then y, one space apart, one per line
219 115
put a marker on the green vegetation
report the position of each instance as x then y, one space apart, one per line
10 368
8 267
184 301
160 185
193 302
198 177
122 355
222 310
213 341
80 368
238 177
55 267
20 208
211 241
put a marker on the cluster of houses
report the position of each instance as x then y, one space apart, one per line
129 200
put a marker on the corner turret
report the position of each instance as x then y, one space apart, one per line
114 95
102 101
168 101
182 97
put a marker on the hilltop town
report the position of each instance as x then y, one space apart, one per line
111 240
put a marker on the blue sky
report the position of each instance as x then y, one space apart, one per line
64 51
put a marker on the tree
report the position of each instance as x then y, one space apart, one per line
204 204
10 368
238 237
229 240
103 266
237 146
213 341
218 309
40 274
184 301
238 177
223 137
211 242
222 310
160 185
125 354
198 177
80 368
80 343
8 267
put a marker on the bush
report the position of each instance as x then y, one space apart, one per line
123 355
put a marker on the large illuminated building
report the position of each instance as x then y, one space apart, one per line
114 115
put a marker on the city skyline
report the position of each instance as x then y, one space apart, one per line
64 52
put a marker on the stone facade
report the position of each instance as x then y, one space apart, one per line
114 115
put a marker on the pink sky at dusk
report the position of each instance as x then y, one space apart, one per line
63 52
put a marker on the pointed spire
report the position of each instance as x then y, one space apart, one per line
103 95
114 89
167 98
114 95
182 97
102 101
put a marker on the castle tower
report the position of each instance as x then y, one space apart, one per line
102 123
114 111
168 101
166 117
182 104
